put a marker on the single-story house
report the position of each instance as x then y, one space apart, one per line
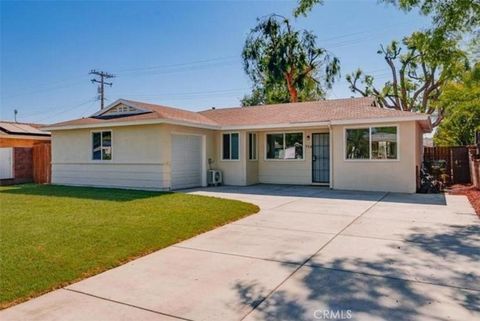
341 143
14 134
16 150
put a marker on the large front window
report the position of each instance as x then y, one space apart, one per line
372 143
284 146
358 146
384 142
230 146
102 145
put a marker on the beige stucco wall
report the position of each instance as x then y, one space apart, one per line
137 160
377 175
140 156
246 172
287 171
237 172
234 171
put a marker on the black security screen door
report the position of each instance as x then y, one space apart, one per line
320 158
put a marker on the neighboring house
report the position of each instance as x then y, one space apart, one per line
16 150
342 143
13 134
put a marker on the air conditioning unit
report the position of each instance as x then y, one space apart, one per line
214 177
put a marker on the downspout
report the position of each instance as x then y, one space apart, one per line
331 154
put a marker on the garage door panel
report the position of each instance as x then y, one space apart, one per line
186 161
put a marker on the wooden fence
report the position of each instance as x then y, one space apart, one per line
456 161
42 169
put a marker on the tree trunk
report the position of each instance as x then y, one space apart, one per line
293 94
291 89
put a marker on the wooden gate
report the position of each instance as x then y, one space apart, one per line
42 168
456 162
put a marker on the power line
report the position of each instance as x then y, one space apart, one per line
153 72
86 110
218 61
101 84
368 31
203 63
42 90
61 110
195 62
189 93
73 81
203 97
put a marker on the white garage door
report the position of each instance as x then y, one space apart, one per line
186 161
6 162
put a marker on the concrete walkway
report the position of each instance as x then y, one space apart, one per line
310 254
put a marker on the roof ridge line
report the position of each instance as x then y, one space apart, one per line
289 103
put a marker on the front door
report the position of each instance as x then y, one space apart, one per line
321 158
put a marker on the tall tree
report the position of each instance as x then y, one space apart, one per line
462 111
285 64
304 6
420 67
447 15
425 61
450 18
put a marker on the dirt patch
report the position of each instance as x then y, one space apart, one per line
471 192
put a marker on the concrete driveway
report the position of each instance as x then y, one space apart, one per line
310 254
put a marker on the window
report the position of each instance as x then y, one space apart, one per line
102 145
285 146
357 143
372 143
230 146
252 146
384 142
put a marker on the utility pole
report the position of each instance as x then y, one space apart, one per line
101 84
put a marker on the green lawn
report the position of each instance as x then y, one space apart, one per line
53 235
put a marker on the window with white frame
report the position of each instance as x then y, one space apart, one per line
252 146
371 143
284 146
230 146
102 145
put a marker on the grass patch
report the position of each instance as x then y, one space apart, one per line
51 235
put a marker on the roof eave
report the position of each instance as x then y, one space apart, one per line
375 120
414 117
9 132
427 125
133 122
4 135
276 126
115 103
425 119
